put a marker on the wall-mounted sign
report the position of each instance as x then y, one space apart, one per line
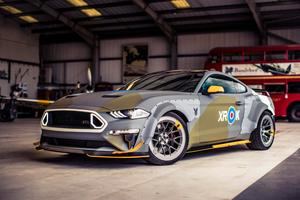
135 59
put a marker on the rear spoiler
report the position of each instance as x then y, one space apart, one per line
261 91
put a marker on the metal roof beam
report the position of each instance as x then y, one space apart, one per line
279 37
81 31
12 3
288 19
258 20
256 15
164 26
102 5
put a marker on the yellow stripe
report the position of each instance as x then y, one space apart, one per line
44 101
137 147
216 146
35 101
229 144
122 157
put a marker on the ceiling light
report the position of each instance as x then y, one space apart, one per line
28 19
77 2
180 3
91 12
11 9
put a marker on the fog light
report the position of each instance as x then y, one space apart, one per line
124 131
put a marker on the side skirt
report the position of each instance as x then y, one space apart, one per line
217 146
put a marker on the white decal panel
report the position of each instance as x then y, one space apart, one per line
261 69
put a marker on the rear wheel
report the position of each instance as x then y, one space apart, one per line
294 113
170 140
263 136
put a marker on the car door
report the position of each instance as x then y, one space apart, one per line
221 113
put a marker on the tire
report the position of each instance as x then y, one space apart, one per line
170 140
294 113
262 137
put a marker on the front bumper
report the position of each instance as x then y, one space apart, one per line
100 153
98 144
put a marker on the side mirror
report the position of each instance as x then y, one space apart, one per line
214 89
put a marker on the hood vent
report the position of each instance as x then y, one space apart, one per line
111 96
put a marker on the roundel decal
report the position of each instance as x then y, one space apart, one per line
231 115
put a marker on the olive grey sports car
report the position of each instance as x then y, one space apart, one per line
160 117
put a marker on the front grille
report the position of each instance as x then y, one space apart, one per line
75 143
72 119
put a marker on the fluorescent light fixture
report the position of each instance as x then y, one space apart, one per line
91 12
180 3
29 19
11 9
77 2
14 11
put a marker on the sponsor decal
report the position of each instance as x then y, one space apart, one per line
196 111
230 116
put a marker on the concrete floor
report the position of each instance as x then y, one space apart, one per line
217 174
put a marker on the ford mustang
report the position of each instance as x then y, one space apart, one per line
160 117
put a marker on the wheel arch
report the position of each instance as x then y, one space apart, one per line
159 111
260 114
180 114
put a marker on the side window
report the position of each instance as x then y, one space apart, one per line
294 87
219 80
275 88
254 56
214 59
294 55
232 57
240 88
275 55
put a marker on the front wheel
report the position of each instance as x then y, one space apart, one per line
263 136
170 140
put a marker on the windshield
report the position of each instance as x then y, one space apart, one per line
181 81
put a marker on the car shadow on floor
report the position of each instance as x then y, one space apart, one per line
215 152
82 161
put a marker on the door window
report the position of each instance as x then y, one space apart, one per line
219 80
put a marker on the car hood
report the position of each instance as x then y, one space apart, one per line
108 101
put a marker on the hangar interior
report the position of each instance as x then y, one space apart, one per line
60 41
50 44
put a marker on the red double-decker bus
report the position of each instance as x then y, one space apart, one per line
275 69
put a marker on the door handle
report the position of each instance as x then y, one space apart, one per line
239 103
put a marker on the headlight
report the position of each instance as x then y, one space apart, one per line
130 114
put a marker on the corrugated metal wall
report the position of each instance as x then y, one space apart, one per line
18 46
192 49
192 53
17 43
292 34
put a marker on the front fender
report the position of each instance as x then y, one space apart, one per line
150 125
190 108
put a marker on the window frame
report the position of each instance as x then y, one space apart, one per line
224 78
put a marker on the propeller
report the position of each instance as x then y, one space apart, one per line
90 82
89 76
